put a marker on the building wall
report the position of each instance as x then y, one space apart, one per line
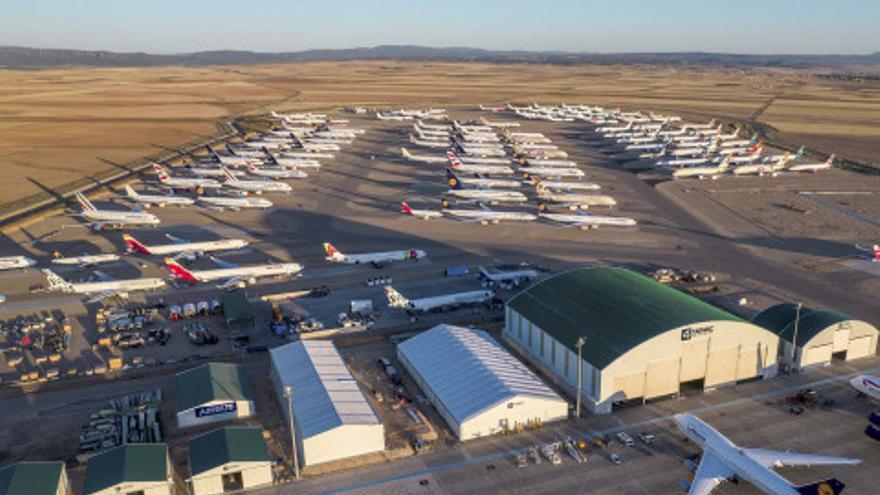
857 338
149 488
63 483
253 475
186 419
341 442
523 410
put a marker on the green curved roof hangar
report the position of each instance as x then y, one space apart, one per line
780 320
614 308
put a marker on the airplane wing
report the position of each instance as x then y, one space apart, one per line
232 283
176 240
711 473
775 458
223 264
103 276
101 296
483 207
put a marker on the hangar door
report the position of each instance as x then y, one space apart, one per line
628 387
721 366
662 378
693 359
819 354
750 361
859 347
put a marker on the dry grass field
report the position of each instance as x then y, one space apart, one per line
57 125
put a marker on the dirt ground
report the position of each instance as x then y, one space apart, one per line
58 125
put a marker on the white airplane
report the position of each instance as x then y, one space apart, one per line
292 162
184 182
307 154
234 161
710 125
480 182
813 167
701 172
422 158
376 259
213 171
182 248
397 301
680 162
586 221
576 200
559 185
107 287
868 385
256 186
390 116
514 277
149 200
231 274
485 216
451 155
723 460
277 173
485 195
15 262
480 169
234 203
428 143
874 250
546 162
86 260
551 172
99 219
423 214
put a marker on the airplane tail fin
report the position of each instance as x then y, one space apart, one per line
800 152
228 175
405 153
452 179
395 299
211 151
177 271
84 202
134 245
831 486
405 209
331 251
56 283
831 158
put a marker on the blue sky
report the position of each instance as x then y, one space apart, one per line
164 26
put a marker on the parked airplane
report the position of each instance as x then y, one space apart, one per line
231 274
480 182
559 185
586 221
480 168
184 182
15 262
99 219
376 259
423 214
551 172
422 158
256 186
234 160
444 302
723 460
700 172
478 160
493 196
813 167
514 277
868 385
86 260
182 248
106 287
277 173
158 200
874 250
485 216
234 203
575 200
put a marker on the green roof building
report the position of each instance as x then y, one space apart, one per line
34 478
229 459
641 339
819 335
210 393
138 468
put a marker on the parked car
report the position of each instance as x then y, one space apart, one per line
392 373
383 363
189 310
175 313
614 458
873 431
216 307
646 438
874 417
203 308
625 439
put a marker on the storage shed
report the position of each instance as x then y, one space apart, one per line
228 459
210 393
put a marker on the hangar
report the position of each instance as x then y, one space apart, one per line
641 339
478 387
134 468
331 416
34 478
229 459
210 393
822 335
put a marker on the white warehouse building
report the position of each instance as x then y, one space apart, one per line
478 387
640 339
332 417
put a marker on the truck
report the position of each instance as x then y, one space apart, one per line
360 307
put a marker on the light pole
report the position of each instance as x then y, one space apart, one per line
288 392
580 346
797 318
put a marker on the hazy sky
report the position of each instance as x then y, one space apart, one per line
165 26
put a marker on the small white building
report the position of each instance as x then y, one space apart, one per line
132 469
822 335
211 393
228 459
478 387
332 418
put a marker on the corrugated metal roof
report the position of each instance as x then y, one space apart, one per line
210 382
469 371
126 463
225 445
614 308
779 319
325 394
31 478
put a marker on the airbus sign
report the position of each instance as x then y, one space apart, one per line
213 410
689 333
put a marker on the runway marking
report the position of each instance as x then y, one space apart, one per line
596 433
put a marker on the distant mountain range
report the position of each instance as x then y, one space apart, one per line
23 57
